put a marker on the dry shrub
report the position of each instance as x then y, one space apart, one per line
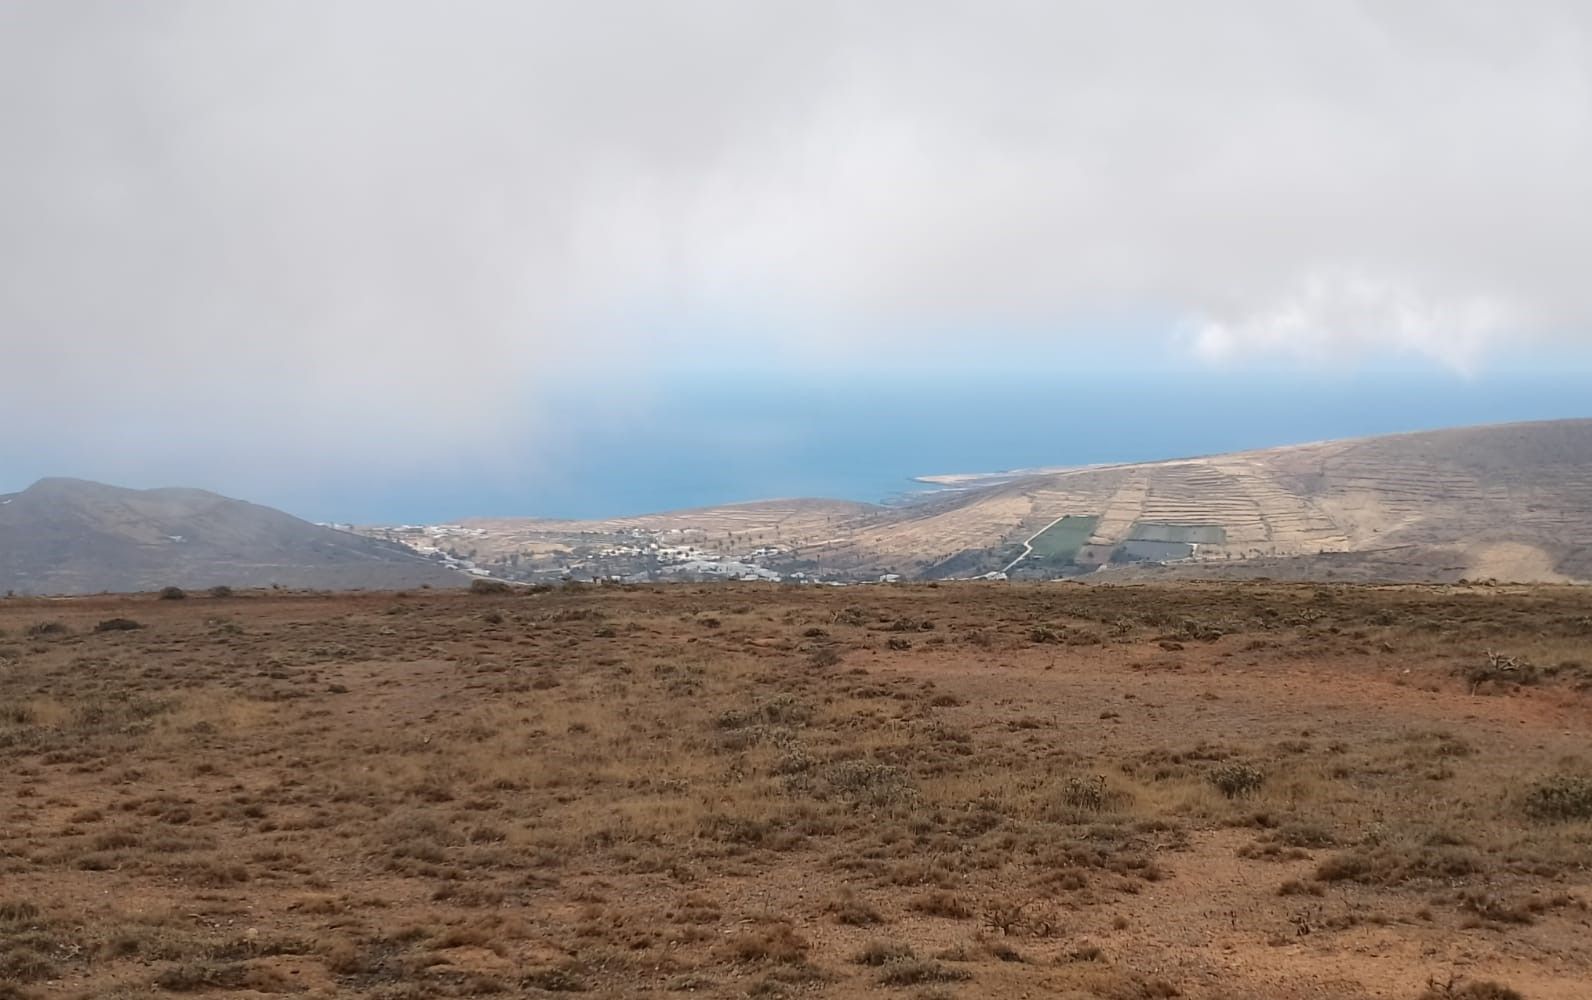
1089 795
916 971
1496 669
1237 780
17 912
824 656
853 912
1304 834
1392 864
118 625
1560 798
872 784
23 964
558 979
1455 989
940 903
1134 987
1012 918
342 957
776 943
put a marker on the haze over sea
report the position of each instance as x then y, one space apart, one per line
710 440
604 449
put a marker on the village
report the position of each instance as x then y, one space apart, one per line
633 554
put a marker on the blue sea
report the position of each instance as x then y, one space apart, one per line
708 440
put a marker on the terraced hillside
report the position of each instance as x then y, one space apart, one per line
1513 502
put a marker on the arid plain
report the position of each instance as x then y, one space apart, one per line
928 791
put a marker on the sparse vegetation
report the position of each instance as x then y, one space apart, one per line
597 791
1561 798
1456 989
1496 669
117 625
1091 794
913 972
848 909
940 903
1237 780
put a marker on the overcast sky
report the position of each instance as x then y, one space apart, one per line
235 233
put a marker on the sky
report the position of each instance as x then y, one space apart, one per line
391 260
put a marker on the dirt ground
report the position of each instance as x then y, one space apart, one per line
1051 790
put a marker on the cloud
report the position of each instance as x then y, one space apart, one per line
1328 318
385 227
1292 183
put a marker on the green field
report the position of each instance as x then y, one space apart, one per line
1062 540
1192 534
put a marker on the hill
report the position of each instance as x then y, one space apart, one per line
1512 502
69 536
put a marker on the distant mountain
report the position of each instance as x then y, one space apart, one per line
1509 502
69 536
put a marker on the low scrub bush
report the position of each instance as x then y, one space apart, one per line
913 972
848 909
1388 864
940 903
1237 780
1455 989
871 784
1082 797
118 625
1496 669
1560 798
777 944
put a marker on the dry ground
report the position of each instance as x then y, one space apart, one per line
1206 791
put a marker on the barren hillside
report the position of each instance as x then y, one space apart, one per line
969 791
67 536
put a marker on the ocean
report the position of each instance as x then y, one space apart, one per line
697 441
